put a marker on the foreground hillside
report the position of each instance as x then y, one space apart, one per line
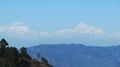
77 55
11 57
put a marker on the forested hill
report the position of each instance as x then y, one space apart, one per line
11 57
77 55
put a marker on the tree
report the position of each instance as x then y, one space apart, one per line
24 58
24 53
23 50
3 43
43 60
11 55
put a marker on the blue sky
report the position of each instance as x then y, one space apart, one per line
33 22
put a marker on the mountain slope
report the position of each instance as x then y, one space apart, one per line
77 55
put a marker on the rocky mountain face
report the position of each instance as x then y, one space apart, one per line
77 55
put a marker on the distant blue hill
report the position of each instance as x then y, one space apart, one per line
77 55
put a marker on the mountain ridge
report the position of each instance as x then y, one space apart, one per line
78 55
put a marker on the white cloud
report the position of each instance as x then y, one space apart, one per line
18 30
17 27
115 35
44 34
87 34
80 30
1 29
82 33
83 28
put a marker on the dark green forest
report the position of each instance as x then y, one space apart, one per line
12 57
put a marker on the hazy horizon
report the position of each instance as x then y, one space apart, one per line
89 22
